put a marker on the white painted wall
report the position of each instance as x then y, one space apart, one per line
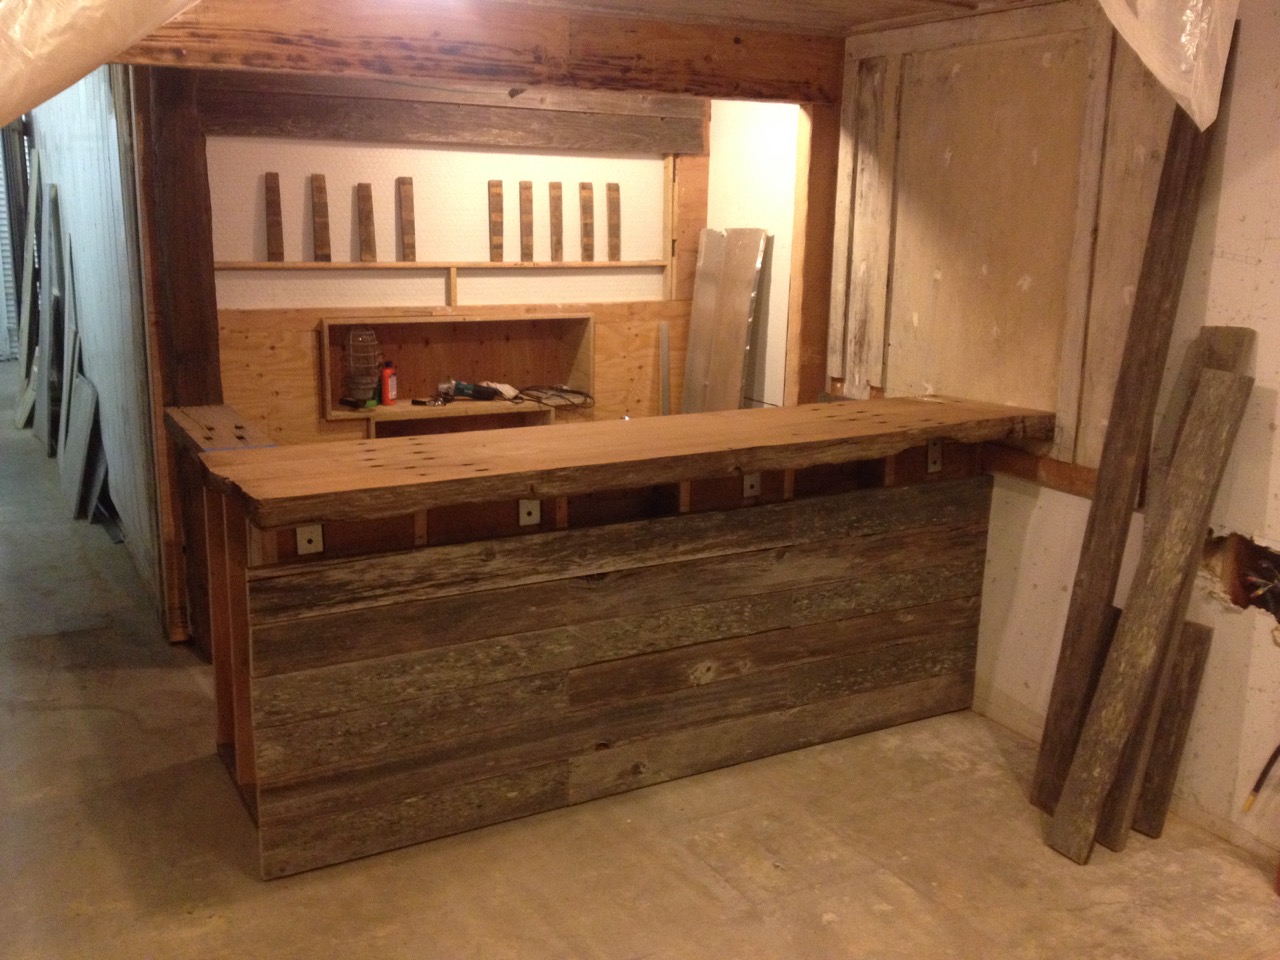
752 184
1234 279
451 216
79 151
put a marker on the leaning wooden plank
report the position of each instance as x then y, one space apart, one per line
706 287
44 427
1190 657
1124 451
1215 348
321 252
404 218
29 309
1194 475
734 318
364 215
71 348
84 415
838 319
275 219
26 404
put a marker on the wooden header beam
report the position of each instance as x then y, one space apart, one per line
498 43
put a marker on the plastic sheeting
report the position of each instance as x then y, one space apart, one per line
47 45
1184 43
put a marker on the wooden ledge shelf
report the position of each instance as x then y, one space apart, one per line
367 479
229 265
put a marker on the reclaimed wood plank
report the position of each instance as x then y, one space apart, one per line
290 846
397 733
320 248
1124 452
405 219
613 213
239 643
219 602
368 238
339 817
526 221
275 219
555 193
347 480
313 589
879 84
440 621
1190 657
806 611
1215 348
587 219
495 221
342 117
1194 475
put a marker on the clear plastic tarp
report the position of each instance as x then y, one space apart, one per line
1184 43
47 45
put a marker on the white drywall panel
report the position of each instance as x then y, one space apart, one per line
752 183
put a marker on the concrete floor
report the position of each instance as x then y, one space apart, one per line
120 834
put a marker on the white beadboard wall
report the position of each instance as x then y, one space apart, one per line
451 213
79 151
1233 279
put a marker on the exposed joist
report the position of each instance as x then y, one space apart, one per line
512 44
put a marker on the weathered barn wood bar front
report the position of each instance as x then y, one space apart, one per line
658 621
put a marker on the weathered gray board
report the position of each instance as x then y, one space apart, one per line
721 316
1156 602
384 717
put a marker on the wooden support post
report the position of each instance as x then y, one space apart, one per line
526 221
275 220
495 221
1135 656
321 252
1123 455
587 211
555 194
364 212
404 215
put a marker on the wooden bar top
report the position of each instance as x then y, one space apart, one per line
364 479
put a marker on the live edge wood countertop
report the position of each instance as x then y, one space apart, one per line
365 479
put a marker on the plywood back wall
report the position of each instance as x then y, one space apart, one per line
271 360
451 214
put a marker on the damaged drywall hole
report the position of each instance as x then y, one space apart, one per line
1248 574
